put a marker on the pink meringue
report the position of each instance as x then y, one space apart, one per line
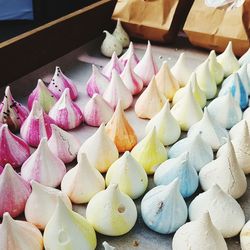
43 166
12 112
1 169
60 82
36 126
113 64
66 113
14 192
117 91
13 149
147 67
97 111
97 82
131 80
63 144
129 54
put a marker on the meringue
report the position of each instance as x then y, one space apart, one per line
121 35
60 82
42 203
246 114
198 94
167 128
163 208
130 53
1 169
82 182
234 131
21 235
12 112
228 60
244 237
13 149
107 246
97 83
67 230
111 44
43 96
120 131
226 173
36 126
116 91
150 152
14 192
215 68
199 234
66 113
230 110
111 212
245 58
129 175
199 152
147 67
132 81
187 111
181 70
150 101
97 111
43 166
225 212
243 74
63 144
100 150
166 82
113 64
211 131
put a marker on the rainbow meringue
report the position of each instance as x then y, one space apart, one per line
245 58
228 61
225 212
181 70
187 111
111 212
230 110
110 45
67 230
13 149
215 68
167 128
131 80
163 208
146 68
21 235
43 96
129 175
116 91
12 112
150 102
150 152
113 64
60 82
97 83
106 246
129 54
43 166
199 234
166 82
36 126
181 168
97 111
42 203
121 35
199 152
100 150
63 144
244 237
226 173
14 192
82 182
211 131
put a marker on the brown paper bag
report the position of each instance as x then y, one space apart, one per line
213 28
156 20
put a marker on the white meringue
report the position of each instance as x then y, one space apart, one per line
42 203
121 35
113 64
100 150
107 246
82 182
245 58
244 237
225 212
111 212
246 114
163 208
167 128
215 68
234 131
130 53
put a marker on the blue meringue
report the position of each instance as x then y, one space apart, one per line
164 209
245 58
243 74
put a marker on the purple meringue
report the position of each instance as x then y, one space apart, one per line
113 64
129 54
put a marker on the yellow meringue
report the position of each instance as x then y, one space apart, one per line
244 237
121 35
215 68
110 44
